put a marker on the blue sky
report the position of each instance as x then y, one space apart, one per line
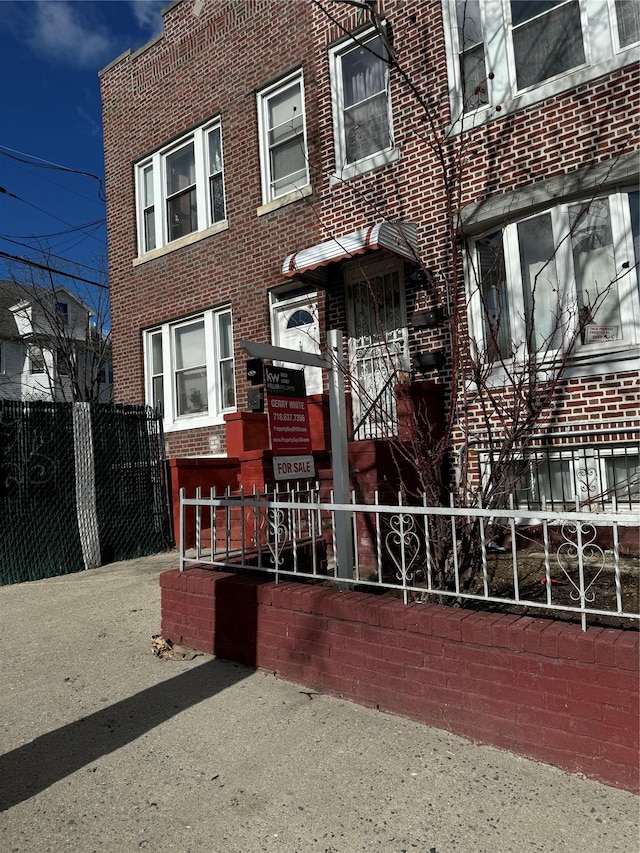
50 114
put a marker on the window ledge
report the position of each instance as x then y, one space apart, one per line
383 158
195 422
283 200
621 359
183 241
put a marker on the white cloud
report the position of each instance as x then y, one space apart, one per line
147 14
61 31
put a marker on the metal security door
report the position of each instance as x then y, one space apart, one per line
378 345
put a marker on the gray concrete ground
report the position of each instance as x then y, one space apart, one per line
107 748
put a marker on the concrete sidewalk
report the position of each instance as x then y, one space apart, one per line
107 748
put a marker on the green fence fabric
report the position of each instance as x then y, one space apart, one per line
130 490
80 485
38 527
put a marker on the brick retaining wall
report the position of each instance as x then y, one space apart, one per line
537 687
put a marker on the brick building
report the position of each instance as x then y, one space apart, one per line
463 212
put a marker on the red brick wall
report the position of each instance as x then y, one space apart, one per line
212 64
537 687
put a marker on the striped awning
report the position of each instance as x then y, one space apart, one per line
399 238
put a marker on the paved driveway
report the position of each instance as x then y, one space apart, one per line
107 748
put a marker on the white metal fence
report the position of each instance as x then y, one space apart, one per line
577 562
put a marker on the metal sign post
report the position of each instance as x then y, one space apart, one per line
333 363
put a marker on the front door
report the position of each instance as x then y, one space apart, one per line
378 344
295 326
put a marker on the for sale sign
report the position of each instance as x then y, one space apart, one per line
287 411
293 467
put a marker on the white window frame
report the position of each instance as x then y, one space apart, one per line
600 353
614 28
215 403
586 472
37 359
603 54
344 170
296 188
206 224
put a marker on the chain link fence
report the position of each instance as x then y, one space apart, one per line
80 485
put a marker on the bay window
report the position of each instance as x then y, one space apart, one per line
547 39
511 53
180 190
562 279
189 369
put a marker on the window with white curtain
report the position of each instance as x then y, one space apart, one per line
180 189
189 369
283 147
511 53
562 277
363 129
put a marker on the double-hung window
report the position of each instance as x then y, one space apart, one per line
189 368
180 190
362 121
510 53
562 279
283 146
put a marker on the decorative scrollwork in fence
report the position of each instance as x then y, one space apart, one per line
579 549
402 543
255 523
277 534
587 477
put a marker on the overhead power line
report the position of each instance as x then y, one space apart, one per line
5 191
50 254
40 163
51 269
93 224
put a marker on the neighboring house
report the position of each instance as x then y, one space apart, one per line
269 177
49 349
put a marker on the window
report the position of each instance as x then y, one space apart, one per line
189 368
283 148
363 132
62 313
472 62
565 277
180 189
155 370
522 51
627 21
594 475
37 362
2 370
547 39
